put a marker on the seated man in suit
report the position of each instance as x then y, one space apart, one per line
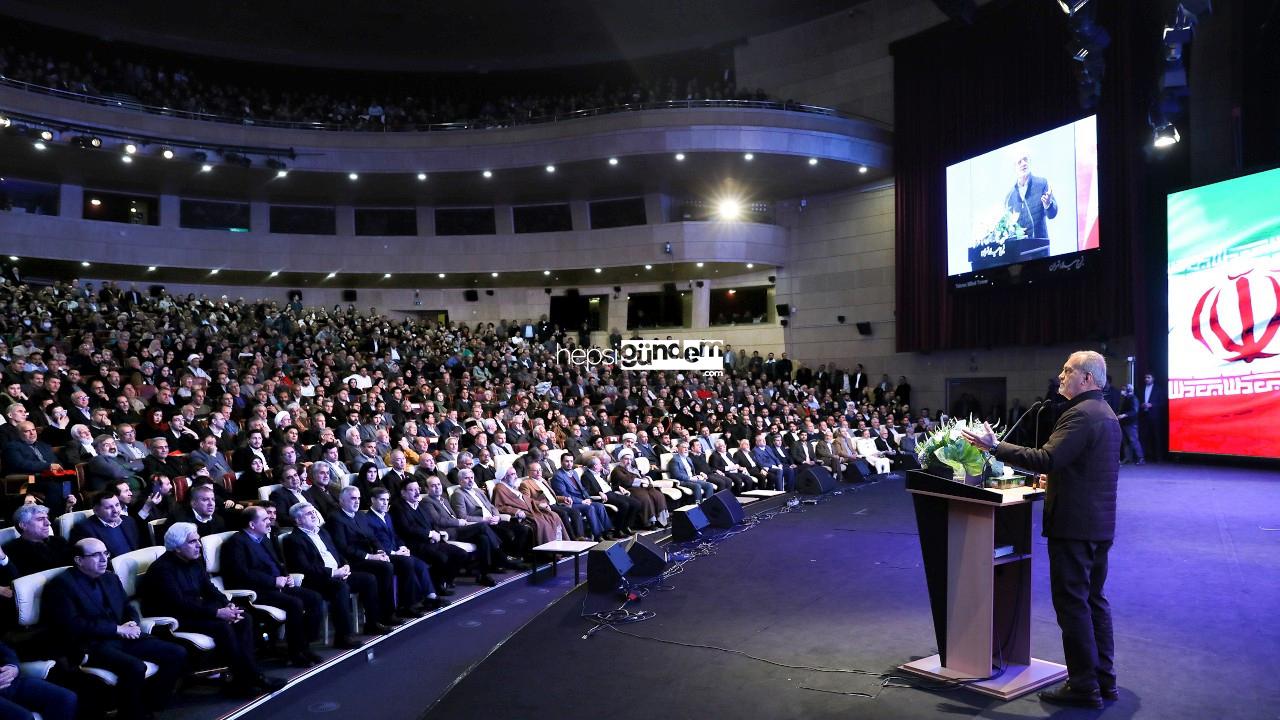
412 573
825 451
565 484
489 555
288 494
89 613
703 467
470 503
21 696
802 452
200 510
249 562
682 471
775 462
108 524
413 525
723 463
595 482
212 458
37 547
159 462
309 550
177 585
108 467
80 449
29 456
358 548
745 460
252 448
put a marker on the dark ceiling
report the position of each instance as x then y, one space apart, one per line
404 35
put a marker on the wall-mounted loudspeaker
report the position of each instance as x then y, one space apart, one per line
349 296
571 292
489 293
700 283
471 296
864 328
784 310
840 319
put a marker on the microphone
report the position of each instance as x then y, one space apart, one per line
1036 407
1043 405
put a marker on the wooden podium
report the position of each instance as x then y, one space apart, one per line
979 591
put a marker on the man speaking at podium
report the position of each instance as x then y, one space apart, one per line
1032 199
1082 460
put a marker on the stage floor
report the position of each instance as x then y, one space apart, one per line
1195 578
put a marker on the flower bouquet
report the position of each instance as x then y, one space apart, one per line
946 453
991 233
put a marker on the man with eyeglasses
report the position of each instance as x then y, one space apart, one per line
1082 460
88 613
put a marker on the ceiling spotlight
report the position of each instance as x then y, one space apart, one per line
1166 135
131 148
167 153
813 161
729 209
46 135
679 157
422 176
494 274
441 276
330 276
126 159
613 161
546 272
84 263
551 168
85 142
699 264
274 273
598 270
749 157
95 202
151 268
1071 7
732 292
386 275
39 145
213 271
487 174
134 210
13 258
282 173
750 265
648 267
862 169
353 176
5 122
206 168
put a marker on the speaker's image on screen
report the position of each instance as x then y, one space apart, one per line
1032 199
1224 315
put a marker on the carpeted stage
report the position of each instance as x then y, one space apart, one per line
1194 586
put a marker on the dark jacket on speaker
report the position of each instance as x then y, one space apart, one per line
1082 459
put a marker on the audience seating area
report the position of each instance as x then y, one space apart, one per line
157 435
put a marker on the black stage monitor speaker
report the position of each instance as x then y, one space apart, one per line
723 509
815 480
864 328
784 309
349 295
471 296
606 564
858 471
647 559
688 524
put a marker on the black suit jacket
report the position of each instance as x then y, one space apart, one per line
250 565
26 557
413 526
180 589
301 555
186 514
1082 459
352 537
74 608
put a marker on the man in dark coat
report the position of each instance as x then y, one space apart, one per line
108 524
88 610
1082 460
177 585
37 547
249 562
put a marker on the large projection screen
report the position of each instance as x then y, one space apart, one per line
1224 316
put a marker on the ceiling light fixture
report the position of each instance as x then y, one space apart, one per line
126 159
131 148
167 153
749 157
679 157
813 161
551 168
422 176
151 268
487 174
95 202
613 161
274 273
206 168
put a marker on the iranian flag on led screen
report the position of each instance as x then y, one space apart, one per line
1224 317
